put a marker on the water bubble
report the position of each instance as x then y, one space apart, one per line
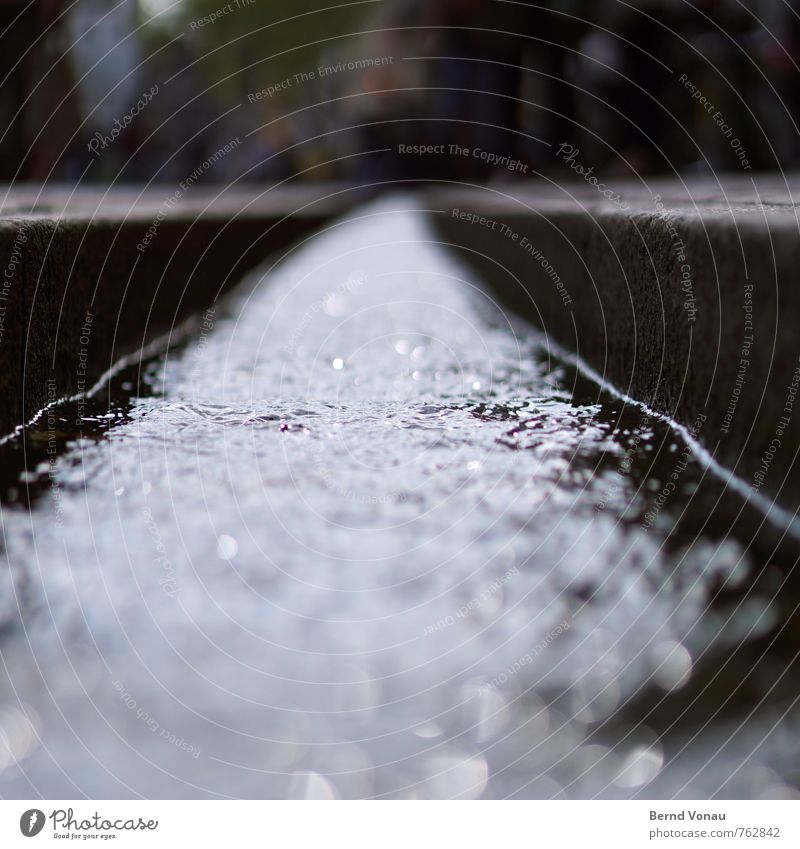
673 665
310 785
338 364
19 733
355 692
765 783
456 775
227 547
428 731
336 305
589 769
595 697
484 711
640 766
778 792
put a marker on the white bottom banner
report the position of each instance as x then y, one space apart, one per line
401 825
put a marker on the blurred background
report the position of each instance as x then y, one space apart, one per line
147 90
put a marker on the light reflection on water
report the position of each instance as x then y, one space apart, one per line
361 539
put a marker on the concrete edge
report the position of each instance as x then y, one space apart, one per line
691 310
80 289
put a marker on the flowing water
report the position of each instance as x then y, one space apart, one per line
360 534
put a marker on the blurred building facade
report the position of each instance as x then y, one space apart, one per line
97 91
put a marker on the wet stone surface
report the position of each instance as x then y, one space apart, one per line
361 535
